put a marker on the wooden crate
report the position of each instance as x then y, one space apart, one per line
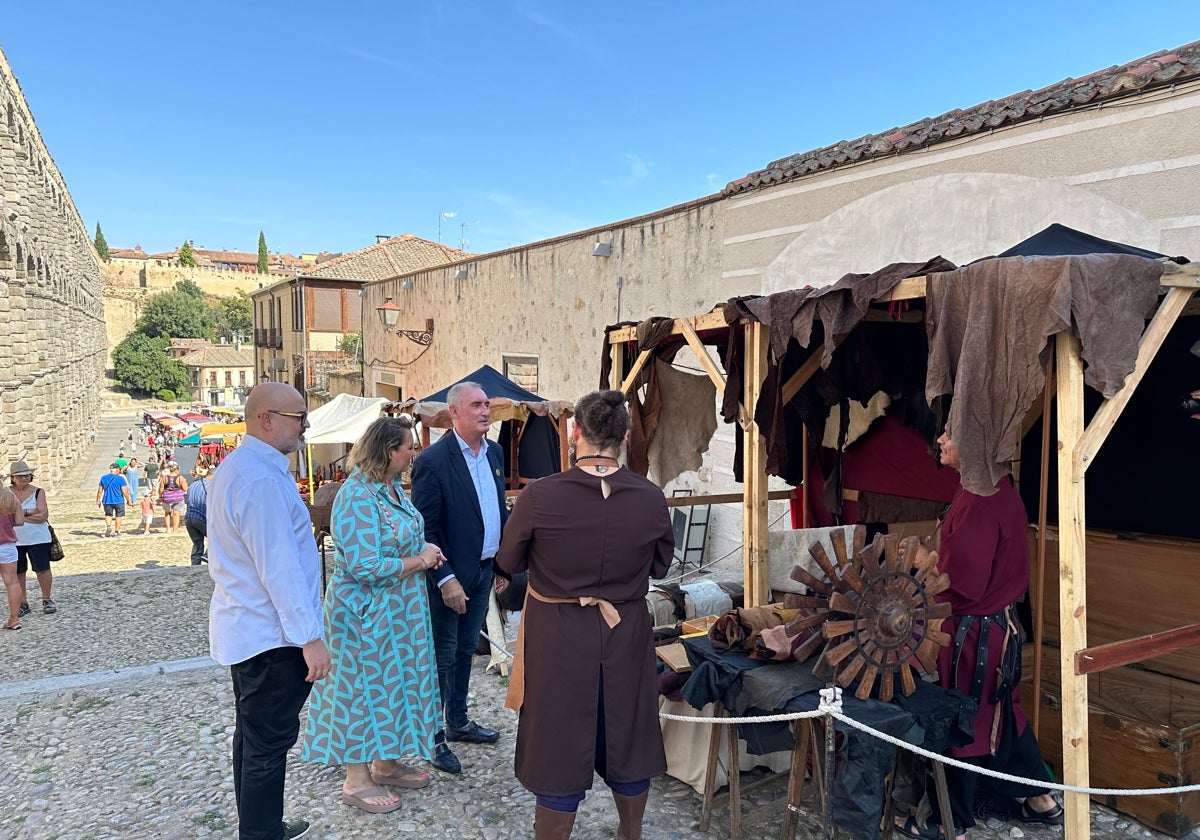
1135 585
1141 728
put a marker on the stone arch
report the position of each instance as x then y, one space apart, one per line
30 269
10 120
5 252
20 262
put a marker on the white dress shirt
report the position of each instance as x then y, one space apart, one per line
261 556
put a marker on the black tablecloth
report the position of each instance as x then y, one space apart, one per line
932 718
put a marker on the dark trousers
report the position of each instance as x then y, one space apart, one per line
268 692
198 530
1020 757
455 638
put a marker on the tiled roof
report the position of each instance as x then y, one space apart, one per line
128 253
191 342
220 356
390 258
1162 68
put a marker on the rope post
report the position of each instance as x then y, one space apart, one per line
831 700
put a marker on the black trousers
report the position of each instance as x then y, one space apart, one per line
1021 757
268 692
197 529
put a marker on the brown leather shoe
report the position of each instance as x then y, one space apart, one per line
549 824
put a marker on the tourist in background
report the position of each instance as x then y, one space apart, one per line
147 505
196 515
172 492
590 538
10 518
33 537
112 495
381 702
152 471
133 476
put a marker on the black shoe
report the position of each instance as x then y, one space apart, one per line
295 828
23 611
472 733
444 759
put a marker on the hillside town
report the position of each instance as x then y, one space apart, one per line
846 406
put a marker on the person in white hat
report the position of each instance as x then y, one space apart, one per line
33 537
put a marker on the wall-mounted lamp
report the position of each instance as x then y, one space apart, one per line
601 249
460 274
389 315
407 285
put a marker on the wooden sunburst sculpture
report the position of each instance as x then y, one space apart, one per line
876 611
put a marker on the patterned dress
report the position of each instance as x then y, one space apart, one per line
381 700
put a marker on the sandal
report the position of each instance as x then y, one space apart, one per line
359 801
403 776
912 828
1053 816
16 625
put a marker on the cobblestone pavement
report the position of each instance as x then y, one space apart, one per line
88 753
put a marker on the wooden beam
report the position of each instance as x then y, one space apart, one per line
755 540
618 365
642 358
1072 591
706 362
714 320
1128 651
721 498
803 373
1110 410
1181 276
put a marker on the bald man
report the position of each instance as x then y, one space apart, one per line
265 619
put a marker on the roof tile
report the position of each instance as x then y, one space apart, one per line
1162 68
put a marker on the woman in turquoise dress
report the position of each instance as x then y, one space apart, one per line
380 702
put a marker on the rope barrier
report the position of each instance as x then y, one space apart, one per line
831 706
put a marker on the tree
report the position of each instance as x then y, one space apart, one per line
263 263
186 256
189 288
101 244
351 344
234 317
177 314
141 364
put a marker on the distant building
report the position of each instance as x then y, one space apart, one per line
218 374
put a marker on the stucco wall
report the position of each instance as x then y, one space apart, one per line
1130 173
51 313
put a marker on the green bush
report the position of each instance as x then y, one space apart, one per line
165 394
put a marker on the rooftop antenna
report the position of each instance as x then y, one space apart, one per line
449 214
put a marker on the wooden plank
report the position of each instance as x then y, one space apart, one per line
1110 411
1103 657
796 381
1165 599
618 365
701 352
721 498
627 384
910 288
1072 592
714 320
755 539
1180 276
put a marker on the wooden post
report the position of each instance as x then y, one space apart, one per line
1039 591
618 365
755 541
1072 593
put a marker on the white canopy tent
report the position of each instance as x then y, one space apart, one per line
344 419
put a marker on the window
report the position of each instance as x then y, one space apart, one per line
523 370
212 379
241 379
228 379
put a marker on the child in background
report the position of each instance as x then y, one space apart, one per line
147 510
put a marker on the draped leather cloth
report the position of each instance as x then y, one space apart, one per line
988 325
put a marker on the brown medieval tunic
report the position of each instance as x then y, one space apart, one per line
576 543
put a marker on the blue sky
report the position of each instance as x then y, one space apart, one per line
325 123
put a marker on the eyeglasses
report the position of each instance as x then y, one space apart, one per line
302 416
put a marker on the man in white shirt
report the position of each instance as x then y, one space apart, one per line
265 619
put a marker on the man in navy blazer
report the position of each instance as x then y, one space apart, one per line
458 485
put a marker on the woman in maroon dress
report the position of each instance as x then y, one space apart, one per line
984 550
584 683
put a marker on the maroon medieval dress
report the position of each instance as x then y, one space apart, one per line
576 543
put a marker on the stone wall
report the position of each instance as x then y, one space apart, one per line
162 277
51 311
